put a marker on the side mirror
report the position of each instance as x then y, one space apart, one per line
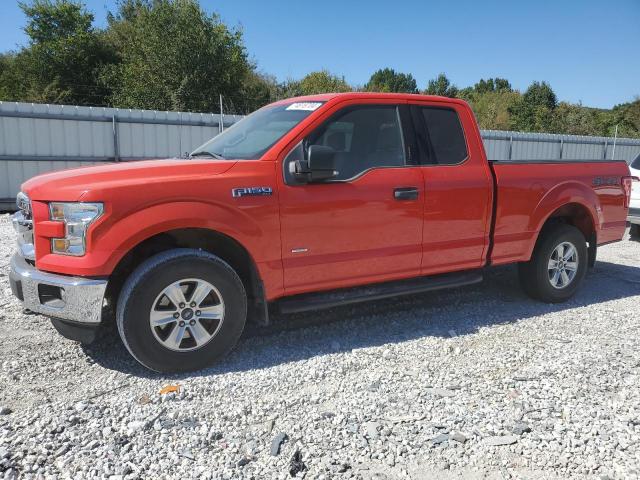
320 166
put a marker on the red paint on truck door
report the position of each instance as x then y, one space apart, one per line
354 232
458 188
356 229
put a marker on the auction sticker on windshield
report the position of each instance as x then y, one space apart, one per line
309 106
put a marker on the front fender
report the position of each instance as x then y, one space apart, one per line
164 217
111 239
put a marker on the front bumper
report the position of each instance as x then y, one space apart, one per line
72 299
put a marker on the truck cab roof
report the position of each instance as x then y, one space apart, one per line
325 97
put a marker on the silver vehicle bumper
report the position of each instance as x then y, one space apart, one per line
75 299
634 216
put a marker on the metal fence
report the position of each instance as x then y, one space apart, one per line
502 145
36 138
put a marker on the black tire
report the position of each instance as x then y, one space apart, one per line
534 274
634 232
150 279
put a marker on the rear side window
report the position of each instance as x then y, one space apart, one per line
444 136
636 163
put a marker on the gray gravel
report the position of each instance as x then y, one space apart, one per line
479 382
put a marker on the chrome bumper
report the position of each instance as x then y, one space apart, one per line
75 299
24 229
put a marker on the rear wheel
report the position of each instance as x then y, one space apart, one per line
181 310
635 232
558 265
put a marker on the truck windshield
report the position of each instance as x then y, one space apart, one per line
252 136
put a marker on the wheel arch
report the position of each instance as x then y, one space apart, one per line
576 214
218 243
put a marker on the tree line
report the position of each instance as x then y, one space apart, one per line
173 55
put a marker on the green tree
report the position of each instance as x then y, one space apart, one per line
321 81
534 111
388 80
258 89
48 21
441 86
627 117
540 94
64 57
492 85
484 86
7 76
174 56
502 85
579 120
492 109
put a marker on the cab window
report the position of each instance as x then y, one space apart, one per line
363 137
440 135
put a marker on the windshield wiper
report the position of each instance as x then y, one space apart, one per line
205 153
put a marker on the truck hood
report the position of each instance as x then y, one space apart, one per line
95 182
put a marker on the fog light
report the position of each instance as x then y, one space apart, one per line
51 296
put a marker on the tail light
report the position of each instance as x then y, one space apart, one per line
627 182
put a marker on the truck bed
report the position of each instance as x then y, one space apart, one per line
528 192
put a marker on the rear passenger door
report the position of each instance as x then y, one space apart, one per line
458 188
365 225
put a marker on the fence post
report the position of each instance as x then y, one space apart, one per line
510 146
604 153
561 147
221 126
116 152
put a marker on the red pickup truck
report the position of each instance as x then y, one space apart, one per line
307 203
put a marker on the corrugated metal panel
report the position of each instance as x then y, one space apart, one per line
67 136
36 138
504 145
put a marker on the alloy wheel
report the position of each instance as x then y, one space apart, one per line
563 265
187 314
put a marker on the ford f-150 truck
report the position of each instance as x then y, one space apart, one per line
307 203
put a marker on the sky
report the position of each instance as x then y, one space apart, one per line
586 49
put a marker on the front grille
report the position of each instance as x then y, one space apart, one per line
23 224
24 204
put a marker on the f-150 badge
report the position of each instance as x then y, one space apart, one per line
608 181
244 191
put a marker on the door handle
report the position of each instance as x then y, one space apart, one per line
405 193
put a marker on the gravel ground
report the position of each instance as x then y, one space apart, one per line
479 382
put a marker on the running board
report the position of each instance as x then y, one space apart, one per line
335 298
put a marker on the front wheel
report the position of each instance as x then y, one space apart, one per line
181 310
558 265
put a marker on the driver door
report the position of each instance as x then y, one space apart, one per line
365 224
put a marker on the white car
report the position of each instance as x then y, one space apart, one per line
634 206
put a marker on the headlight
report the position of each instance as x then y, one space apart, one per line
77 217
